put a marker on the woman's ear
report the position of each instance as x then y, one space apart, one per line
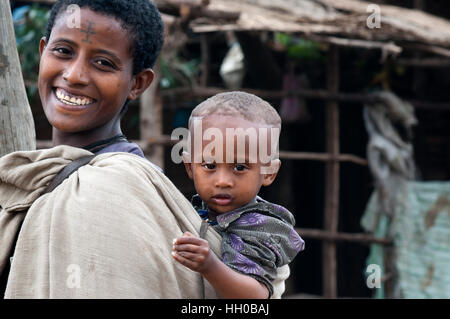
270 172
141 82
42 44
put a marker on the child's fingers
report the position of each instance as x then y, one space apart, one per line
184 261
191 248
190 240
196 258
188 234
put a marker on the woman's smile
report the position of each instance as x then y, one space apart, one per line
71 99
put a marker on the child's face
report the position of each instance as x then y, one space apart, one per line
93 65
227 186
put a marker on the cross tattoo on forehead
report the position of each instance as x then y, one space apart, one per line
88 32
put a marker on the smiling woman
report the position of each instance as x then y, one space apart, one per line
86 77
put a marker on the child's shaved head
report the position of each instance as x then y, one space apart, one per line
244 105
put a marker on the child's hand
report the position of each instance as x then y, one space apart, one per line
193 252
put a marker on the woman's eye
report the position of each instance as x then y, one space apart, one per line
104 63
61 51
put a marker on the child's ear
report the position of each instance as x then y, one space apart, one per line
141 82
42 45
187 163
270 172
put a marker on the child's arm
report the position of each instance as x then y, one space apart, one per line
194 253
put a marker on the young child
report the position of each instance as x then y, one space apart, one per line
96 56
257 236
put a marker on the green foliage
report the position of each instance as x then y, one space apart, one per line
297 48
179 72
29 25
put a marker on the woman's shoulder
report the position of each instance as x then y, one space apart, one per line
126 147
123 146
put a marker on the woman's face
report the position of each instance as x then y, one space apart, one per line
86 73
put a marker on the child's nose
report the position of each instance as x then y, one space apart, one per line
76 72
223 179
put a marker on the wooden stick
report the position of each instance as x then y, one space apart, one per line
42 1
361 238
428 48
424 62
357 98
331 211
17 131
178 3
389 47
151 117
205 64
324 157
165 140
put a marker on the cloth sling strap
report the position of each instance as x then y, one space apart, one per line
203 230
58 179
67 171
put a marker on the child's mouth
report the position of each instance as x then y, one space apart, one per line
70 99
222 199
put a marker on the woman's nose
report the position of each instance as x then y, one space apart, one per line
76 73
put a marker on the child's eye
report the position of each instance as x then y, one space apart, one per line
240 167
209 166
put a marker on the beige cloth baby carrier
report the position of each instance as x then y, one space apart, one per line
105 232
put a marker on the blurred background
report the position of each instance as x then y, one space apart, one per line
363 91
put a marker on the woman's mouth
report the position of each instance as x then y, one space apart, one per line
222 199
70 99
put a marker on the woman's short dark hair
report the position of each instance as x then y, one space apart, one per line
140 18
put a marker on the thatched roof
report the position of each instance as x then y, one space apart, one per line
336 21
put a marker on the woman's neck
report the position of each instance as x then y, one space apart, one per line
81 139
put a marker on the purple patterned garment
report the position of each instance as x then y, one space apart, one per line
257 238
252 219
236 242
247 266
296 241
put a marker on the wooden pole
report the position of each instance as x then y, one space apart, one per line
356 99
151 117
332 179
360 238
16 121
205 64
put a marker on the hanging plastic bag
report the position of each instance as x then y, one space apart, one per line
232 69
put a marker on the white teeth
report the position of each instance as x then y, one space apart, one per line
71 100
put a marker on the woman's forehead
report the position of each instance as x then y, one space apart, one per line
92 28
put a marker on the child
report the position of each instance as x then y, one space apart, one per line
257 236
89 72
